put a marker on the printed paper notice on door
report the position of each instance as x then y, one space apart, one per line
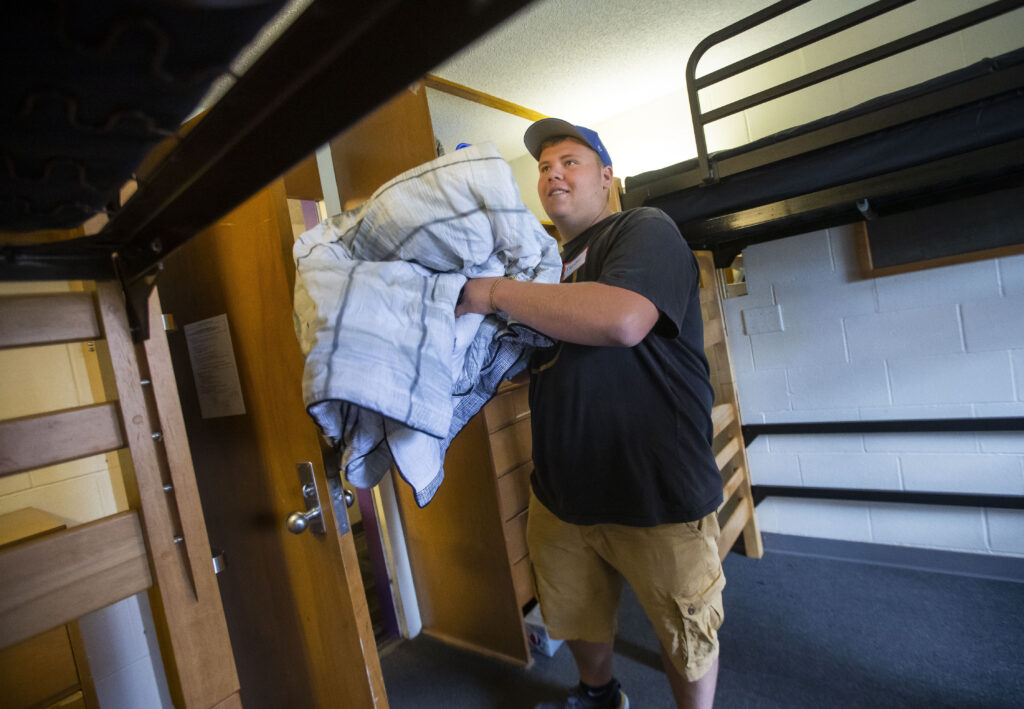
214 368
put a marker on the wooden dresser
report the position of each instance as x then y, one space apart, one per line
507 418
467 547
50 669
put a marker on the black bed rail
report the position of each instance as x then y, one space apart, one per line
950 425
947 425
911 497
694 84
996 167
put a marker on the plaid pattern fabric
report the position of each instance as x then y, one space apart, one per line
375 297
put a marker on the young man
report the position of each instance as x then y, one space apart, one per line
625 483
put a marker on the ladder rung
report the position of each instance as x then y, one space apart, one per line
733 483
712 333
721 416
45 319
37 441
53 579
727 453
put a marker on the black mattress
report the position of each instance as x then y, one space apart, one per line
993 121
89 88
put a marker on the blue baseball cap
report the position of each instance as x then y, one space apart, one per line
555 127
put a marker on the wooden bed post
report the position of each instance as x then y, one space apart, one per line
736 515
185 599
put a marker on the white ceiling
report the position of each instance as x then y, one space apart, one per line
610 64
587 61
582 60
591 59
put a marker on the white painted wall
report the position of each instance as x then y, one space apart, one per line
124 655
812 341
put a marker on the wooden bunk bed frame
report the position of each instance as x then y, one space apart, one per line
160 544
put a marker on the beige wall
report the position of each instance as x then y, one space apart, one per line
35 380
524 169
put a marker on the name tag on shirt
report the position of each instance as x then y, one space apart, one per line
569 268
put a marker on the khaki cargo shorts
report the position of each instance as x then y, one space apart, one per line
674 570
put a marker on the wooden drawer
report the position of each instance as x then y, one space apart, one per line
515 537
511 446
514 491
507 407
522 581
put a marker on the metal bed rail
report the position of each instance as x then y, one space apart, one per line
912 497
786 149
951 425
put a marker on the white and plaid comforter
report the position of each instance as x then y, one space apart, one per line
391 375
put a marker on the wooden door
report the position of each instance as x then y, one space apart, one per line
295 606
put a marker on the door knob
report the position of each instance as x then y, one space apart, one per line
297 522
349 498
312 518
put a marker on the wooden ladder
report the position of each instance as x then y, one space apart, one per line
160 543
736 515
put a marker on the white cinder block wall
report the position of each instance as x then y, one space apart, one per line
812 341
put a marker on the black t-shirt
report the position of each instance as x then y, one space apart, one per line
623 434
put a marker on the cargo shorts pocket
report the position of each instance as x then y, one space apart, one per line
694 645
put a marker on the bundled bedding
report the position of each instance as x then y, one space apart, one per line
391 375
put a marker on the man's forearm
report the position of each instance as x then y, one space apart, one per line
582 313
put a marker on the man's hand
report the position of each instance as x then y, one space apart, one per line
476 296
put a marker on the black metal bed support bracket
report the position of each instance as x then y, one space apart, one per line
136 299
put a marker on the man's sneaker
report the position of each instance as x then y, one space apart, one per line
579 699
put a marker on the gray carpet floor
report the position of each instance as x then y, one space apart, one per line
799 632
